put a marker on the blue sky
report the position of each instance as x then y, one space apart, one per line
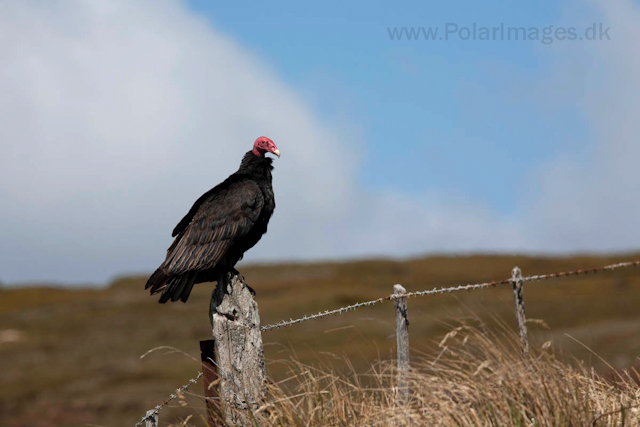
117 115
434 115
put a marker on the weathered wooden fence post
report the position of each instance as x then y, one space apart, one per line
516 280
402 338
211 379
152 418
239 352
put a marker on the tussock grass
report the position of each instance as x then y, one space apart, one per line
477 377
72 356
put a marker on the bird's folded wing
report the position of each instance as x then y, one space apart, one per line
225 217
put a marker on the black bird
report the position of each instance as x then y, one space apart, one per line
222 225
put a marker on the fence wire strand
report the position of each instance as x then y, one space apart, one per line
391 297
179 391
436 291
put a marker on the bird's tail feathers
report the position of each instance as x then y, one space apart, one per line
173 288
157 281
178 288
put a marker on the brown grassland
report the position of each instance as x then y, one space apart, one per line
72 356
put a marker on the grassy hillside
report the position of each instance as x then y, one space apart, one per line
72 357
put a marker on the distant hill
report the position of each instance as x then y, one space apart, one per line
74 354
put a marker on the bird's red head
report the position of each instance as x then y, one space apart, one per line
265 145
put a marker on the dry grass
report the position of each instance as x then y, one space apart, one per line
477 377
72 356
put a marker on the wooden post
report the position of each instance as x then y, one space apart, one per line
152 418
239 352
211 379
402 338
516 280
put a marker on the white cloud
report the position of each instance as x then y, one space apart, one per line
116 116
119 115
592 203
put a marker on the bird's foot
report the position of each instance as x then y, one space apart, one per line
241 278
235 272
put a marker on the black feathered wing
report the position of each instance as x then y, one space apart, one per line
225 216
184 222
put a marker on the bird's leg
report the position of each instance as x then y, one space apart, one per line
241 277
218 294
211 307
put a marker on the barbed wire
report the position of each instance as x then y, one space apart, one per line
149 415
581 271
340 310
436 291
391 297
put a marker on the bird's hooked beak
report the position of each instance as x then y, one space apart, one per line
276 152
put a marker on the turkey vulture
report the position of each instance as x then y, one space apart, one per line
223 223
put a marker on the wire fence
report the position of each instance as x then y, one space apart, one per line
391 297
153 412
436 291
